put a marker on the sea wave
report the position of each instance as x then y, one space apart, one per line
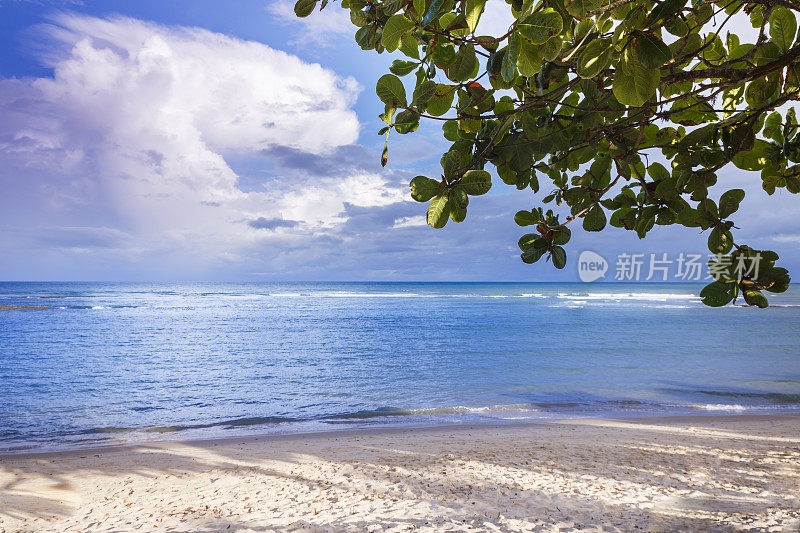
718 407
347 294
618 296
754 398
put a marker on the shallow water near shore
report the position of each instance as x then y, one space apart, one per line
92 363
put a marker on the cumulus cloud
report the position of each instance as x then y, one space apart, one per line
223 92
140 122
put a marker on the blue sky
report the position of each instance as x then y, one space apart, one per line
211 140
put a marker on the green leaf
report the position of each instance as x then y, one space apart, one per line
677 27
517 154
450 130
441 101
559 256
549 51
595 219
473 11
433 10
444 55
562 235
393 31
409 46
424 92
760 91
541 26
578 8
755 159
465 64
652 51
304 8
773 127
634 84
729 202
742 137
509 66
406 121
778 278
458 214
755 297
391 91
717 294
528 62
439 211
401 68
452 162
476 182
658 172
596 57
526 218
666 10
691 111
533 254
459 198
424 188
782 27
531 240
720 241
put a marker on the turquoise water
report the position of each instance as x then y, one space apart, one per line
115 362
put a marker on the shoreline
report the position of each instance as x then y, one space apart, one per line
716 472
378 431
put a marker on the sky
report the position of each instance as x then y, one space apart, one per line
211 140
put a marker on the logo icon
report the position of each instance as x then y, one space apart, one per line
591 266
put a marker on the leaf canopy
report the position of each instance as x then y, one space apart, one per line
624 113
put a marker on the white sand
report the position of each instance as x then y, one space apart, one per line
709 473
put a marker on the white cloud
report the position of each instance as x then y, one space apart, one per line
410 222
140 121
226 93
320 26
323 205
786 238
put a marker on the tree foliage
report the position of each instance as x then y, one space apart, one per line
625 110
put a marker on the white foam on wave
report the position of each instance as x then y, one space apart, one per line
719 407
531 295
619 296
347 294
522 408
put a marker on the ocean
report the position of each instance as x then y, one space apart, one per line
129 362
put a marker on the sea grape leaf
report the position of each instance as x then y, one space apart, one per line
391 91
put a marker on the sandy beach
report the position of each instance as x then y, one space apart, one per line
656 474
